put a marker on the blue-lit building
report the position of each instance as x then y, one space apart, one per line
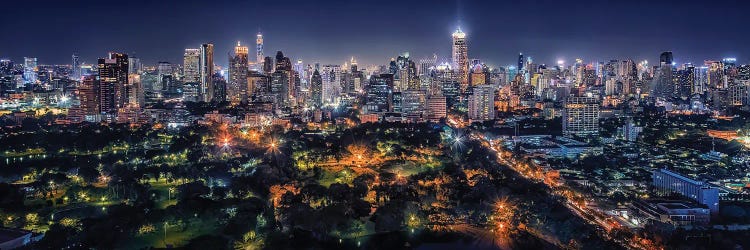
379 94
666 181
30 70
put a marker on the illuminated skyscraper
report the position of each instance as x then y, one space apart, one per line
316 89
238 67
665 87
30 70
191 66
436 108
299 67
461 58
426 65
113 82
76 67
88 95
379 94
136 95
259 48
267 65
581 116
164 77
482 103
520 62
207 71
134 65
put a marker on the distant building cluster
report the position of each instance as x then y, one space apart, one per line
120 88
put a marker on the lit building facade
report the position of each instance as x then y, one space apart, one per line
206 72
460 56
581 116
482 103
667 181
238 67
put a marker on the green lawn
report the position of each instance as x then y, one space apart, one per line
175 236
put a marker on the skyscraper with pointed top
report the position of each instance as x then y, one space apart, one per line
460 58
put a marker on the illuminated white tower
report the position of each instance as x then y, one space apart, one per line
461 57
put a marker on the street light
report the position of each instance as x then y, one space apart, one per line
169 193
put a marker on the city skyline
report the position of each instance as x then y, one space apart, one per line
348 124
590 33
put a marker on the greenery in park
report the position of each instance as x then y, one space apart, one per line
222 187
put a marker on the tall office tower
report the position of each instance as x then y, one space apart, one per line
447 84
520 63
259 48
356 79
88 93
191 66
436 108
482 103
136 95
113 82
331 82
282 62
299 67
714 75
665 86
666 58
134 65
30 70
426 65
76 68
461 58
280 87
316 89
353 65
379 94
610 86
283 72
268 65
164 76
6 67
238 66
412 80
220 88
743 72
684 81
207 72
581 116
701 80
413 102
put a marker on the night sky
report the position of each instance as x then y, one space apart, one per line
374 31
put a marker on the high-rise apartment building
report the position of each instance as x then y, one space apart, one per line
581 116
482 103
